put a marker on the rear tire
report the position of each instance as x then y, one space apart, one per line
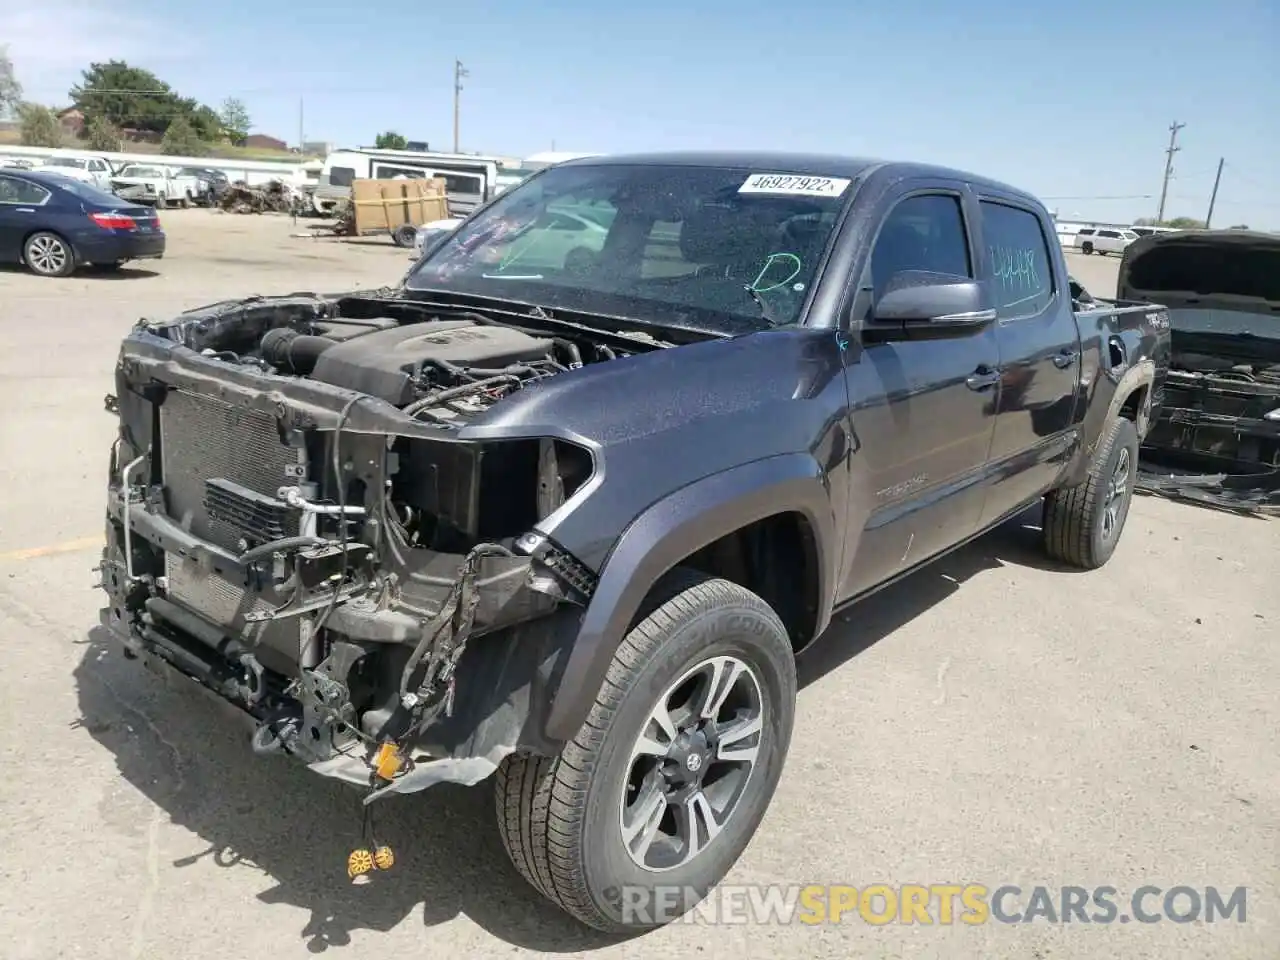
1086 249
1083 524
405 235
603 829
48 255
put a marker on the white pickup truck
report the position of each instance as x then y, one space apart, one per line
155 184
93 170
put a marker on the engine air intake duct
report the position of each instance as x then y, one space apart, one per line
292 351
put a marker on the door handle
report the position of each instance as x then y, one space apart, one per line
982 378
1064 359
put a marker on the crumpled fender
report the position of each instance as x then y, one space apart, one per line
667 533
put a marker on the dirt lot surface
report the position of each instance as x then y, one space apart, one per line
994 720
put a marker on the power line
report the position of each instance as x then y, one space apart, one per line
1133 196
1168 166
1248 179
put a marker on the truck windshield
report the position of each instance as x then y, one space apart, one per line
721 248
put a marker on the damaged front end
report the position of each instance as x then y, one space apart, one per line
300 521
1216 439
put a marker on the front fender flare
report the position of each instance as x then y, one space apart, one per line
668 532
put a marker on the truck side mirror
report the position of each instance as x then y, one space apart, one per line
919 305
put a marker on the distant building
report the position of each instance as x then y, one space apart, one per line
72 120
260 141
318 148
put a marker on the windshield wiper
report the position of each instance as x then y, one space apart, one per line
764 307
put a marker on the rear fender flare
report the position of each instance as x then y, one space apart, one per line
1141 374
668 532
1121 388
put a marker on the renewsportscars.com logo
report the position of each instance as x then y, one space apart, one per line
942 904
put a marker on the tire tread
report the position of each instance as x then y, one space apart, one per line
541 801
1069 513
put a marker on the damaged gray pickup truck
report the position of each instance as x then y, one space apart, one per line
1216 440
564 504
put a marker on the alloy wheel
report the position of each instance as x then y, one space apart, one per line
1116 498
691 763
47 255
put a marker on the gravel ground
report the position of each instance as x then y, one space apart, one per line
993 720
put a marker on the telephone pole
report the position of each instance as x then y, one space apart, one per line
459 71
1213 197
1168 166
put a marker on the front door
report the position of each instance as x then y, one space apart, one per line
20 203
1039 357
922 411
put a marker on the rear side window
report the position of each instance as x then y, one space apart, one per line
342 176
384 172
1109 234
1086 232
460 183
1021 271
921 233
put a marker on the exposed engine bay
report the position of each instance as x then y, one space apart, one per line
299 522
1216 440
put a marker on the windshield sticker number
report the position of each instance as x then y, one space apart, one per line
794 186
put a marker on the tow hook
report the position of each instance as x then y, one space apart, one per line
274 736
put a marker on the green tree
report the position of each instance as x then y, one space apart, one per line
182 140
99 134
207 123
391 141
10 88
39 126
235 119
1184 223
132 98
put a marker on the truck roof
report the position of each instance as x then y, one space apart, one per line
818 164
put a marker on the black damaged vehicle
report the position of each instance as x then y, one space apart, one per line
1217 439
563 506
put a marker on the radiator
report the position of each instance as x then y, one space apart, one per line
203 438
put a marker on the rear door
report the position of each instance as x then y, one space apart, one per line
1109 241
1039 355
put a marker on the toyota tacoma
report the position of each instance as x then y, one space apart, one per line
563 505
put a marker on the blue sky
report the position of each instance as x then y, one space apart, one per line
1071 100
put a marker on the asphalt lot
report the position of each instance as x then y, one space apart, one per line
993 720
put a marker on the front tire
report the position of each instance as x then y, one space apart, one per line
653 801
1082 524
48 255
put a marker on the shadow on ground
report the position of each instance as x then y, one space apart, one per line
126 272
296 829
858 628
